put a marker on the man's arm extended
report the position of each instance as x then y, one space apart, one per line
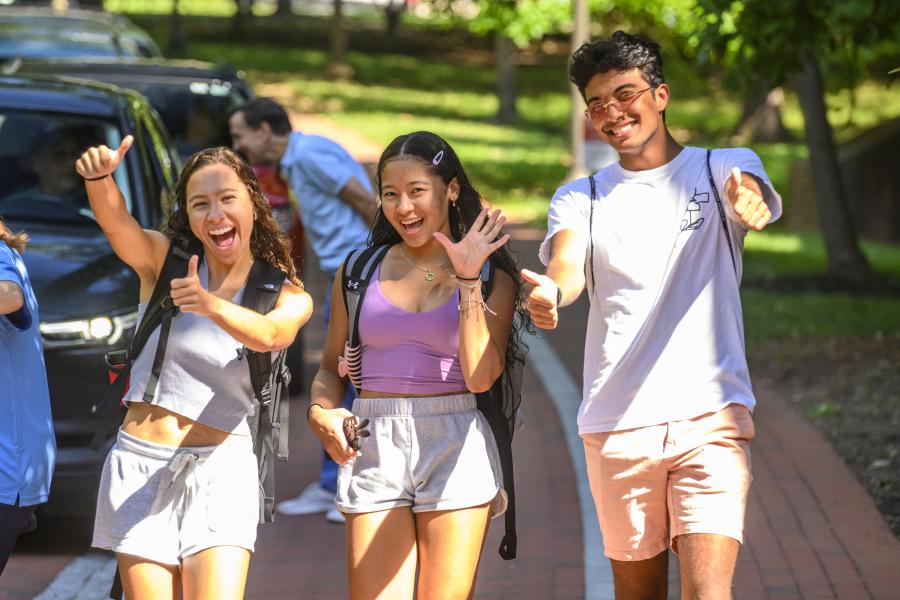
363 201
562 282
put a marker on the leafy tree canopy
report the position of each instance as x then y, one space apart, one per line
768 40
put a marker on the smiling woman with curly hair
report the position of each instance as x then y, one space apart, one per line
178 497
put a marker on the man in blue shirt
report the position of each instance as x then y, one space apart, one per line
337 205
27 442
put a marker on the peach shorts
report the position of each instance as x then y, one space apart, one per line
654 483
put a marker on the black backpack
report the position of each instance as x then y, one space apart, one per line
498 405
270 378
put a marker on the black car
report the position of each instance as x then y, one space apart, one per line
87 296
47 33
192 97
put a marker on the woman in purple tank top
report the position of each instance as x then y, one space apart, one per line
419 493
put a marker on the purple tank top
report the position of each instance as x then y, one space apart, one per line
409 353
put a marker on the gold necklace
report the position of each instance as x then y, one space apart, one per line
429 274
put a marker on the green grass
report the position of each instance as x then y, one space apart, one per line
770 254
770 314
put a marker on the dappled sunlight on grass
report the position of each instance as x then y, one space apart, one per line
871 103
769 315
776 253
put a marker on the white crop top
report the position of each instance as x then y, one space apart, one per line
203 377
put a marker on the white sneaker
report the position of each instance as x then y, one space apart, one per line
314 499
334 515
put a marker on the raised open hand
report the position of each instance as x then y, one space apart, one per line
469 254
99 161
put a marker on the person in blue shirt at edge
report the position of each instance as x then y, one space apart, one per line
337 205
27 443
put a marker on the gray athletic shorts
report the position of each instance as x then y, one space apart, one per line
165 503
431 453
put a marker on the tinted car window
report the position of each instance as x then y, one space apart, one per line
37 165
195 114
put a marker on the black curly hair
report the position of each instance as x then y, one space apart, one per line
266 239
425 146
621 52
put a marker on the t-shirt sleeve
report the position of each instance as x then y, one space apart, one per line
326 171
567 211
9 271
725 159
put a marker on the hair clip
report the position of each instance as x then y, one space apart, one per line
437 158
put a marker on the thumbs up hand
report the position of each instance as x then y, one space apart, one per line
542 299
746 198
98 162
188 295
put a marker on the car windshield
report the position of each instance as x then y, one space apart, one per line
38 181
195 113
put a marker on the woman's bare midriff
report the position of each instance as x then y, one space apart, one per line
156 424
373 394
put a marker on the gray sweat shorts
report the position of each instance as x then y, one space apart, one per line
427 453
165 503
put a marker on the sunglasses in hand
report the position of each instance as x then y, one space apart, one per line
354 430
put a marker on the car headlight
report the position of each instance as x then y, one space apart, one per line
98 330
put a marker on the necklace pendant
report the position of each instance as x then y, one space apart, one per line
429 276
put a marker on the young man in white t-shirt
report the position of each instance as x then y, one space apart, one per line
666 411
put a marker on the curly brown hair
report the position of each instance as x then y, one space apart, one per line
266 239
16 241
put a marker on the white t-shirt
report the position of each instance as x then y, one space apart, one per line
665 334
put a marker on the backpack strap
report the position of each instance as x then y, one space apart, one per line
357 273
491 407
159 312
591 230
715 191
261 293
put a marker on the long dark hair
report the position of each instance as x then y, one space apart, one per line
266 240
442 161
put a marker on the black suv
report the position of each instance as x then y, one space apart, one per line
192 97
87 296
45 32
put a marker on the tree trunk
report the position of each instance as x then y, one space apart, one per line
284 8
177 45
243 13
761 117
337 57
392 12
580 35
846 262
505 55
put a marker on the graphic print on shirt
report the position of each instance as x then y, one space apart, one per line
692 219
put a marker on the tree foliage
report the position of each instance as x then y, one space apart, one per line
816 44
768 40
